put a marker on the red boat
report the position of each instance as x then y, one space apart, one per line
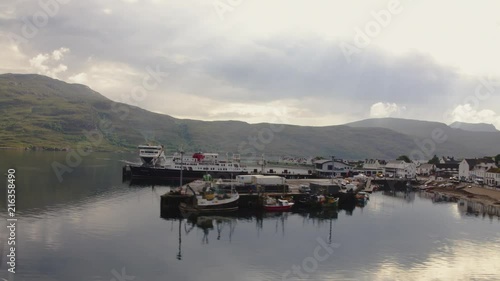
277 205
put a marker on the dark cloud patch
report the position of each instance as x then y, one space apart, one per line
209 58
322 71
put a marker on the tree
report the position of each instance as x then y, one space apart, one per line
497 159
404 158
434 160
317 158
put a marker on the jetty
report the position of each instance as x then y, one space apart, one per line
252 200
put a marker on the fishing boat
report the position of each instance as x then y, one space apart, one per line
330 202
362 196
211 200
156 165
277 205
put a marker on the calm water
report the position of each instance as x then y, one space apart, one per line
91 226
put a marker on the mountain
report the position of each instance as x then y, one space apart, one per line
459 142
43 112
474 127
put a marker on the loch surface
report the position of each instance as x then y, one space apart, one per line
89 225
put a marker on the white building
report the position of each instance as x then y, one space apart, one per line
475 168
465 167
324 168
372 167
492 177
374 164
400 169
426 169
419 162
480 169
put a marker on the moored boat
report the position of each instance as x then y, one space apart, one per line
330 202
277 205
211 200
362 196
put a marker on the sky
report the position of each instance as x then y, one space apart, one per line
316 63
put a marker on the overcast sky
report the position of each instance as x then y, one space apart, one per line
318 63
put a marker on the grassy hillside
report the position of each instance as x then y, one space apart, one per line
43 112
39 111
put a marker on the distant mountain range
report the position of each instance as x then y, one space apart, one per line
478 127
42 112
460 141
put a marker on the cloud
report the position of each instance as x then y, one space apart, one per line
380 110
466 113
58 54
249 60
47 64
80 78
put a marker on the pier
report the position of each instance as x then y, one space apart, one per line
253 200
395 184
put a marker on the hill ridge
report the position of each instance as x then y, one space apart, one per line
41 111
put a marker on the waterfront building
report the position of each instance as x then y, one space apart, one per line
324 168
475 168
492 177
426 169
400 169
372 167
447 170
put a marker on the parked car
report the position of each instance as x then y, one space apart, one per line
304 189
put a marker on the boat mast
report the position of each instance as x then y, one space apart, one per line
333 167
182 166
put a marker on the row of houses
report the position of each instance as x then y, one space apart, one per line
397 169
479 169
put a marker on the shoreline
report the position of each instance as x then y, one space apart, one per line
485 200
481 193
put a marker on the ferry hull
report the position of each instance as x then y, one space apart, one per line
148 173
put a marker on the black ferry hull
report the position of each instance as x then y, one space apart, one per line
154 173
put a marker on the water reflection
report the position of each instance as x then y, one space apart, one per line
408 196
474 208
459 260
91 223
225 225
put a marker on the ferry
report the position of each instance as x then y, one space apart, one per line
156 165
